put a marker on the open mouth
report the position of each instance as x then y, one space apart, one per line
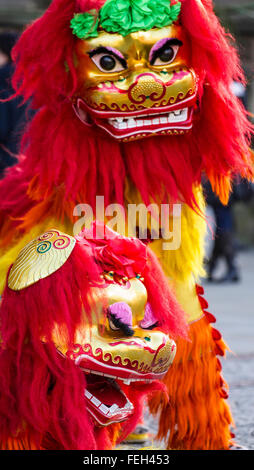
164 120
120 366
106 402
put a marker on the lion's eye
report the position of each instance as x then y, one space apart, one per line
166 56
120 318
112 325
164 52
108 60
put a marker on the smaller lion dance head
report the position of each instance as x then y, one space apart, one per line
87 329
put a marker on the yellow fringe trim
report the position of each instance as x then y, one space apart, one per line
186 261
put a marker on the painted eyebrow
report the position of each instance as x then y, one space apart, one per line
109 50
156 49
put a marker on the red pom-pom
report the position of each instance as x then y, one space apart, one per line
211 318
216 334
219 366
203 302
200 290
223 393
218 350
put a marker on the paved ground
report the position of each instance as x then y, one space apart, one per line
232 305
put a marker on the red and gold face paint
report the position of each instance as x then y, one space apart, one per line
136 86
125 345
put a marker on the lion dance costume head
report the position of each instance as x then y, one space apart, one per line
84 339
114 82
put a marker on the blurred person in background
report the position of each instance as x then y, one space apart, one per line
12 113
224 246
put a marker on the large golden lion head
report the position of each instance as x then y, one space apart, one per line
133 64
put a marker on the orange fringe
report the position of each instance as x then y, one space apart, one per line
221 185
196 417
13 443
48 443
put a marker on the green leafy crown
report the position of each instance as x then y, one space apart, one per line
125 17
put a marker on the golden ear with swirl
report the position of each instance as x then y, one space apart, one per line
40 258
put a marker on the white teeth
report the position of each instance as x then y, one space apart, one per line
95 401
103 408
131 123
128 405
180 115
113 408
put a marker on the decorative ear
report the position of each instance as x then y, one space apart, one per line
40 258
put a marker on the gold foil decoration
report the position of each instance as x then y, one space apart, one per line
40 258
134 294
122 91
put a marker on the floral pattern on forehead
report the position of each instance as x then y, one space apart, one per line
125 17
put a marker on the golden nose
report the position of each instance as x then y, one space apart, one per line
135 295
146 87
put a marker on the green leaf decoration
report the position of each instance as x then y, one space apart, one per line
125 17
85 25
